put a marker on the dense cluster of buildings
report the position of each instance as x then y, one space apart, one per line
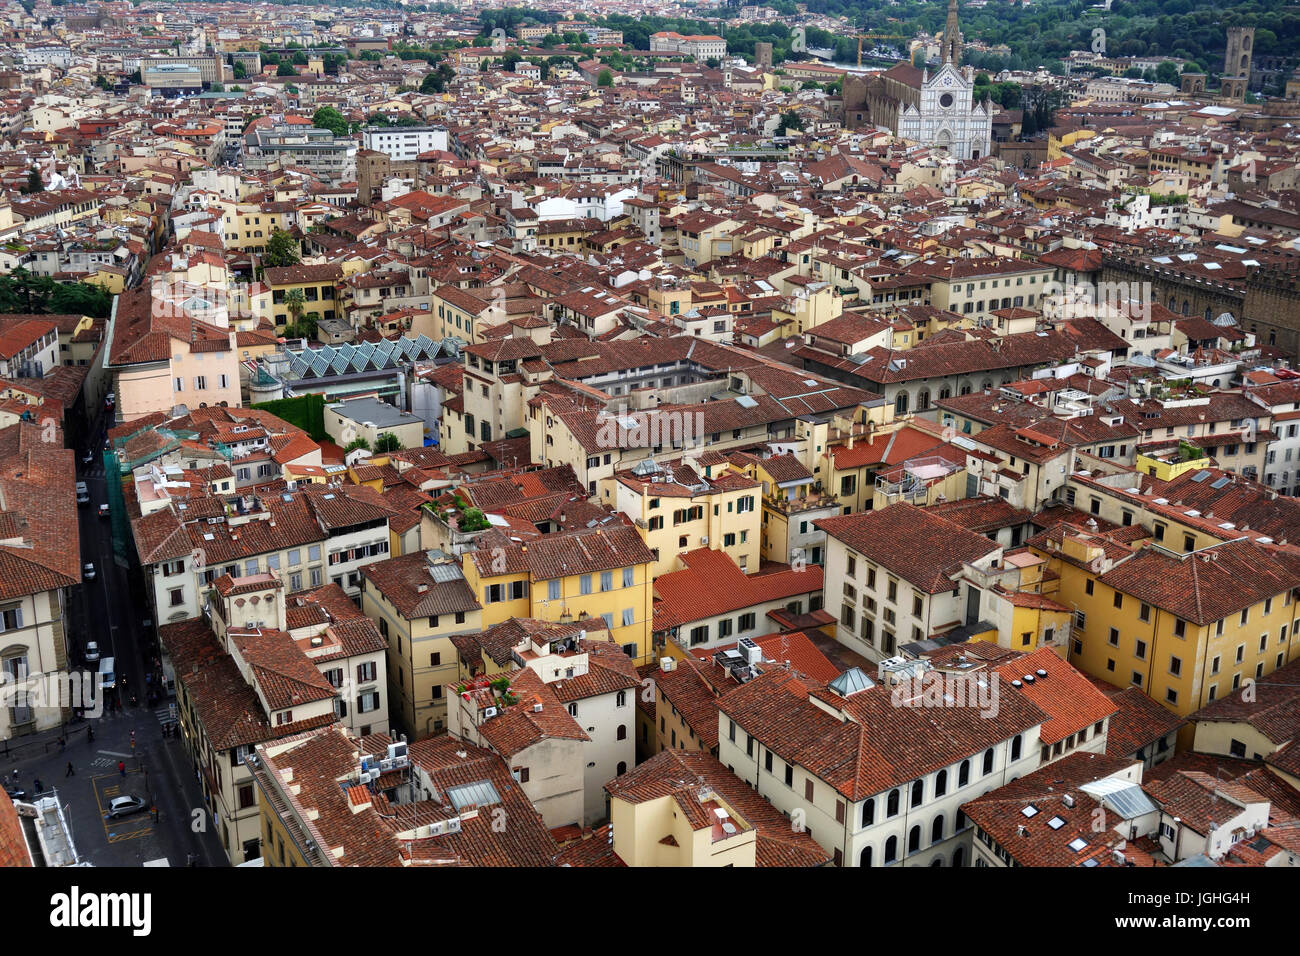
693 463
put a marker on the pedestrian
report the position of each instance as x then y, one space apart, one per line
90 735
121 768
15 776
39 786
62 744
71 771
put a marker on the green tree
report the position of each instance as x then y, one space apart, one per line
281 250
34 181
605 78
285 69
789 121
241 71
1167 72
387 441
357 443
296 302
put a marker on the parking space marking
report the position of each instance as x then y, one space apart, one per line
117 831
123 837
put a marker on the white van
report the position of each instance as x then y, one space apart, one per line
107 673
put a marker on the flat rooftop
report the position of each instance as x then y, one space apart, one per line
372 410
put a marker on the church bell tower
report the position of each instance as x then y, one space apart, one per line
950 49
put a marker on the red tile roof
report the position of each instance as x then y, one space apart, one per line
1069 699
712 584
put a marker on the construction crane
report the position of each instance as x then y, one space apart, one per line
877 36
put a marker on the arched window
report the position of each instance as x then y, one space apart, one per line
869 812
963 774
918 793
864 858
959 857
941 783
945 392
923 400
936 829
891 849
622 731
622 767
1187 306
937 861
965 389
891 805
900 404
988 761
914 839
1015 747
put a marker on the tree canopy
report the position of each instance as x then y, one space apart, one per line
281 250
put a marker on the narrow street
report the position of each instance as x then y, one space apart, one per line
112 610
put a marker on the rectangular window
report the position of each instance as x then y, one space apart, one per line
553 590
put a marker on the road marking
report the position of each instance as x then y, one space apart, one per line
114 753
123 837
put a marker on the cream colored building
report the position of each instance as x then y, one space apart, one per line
368 418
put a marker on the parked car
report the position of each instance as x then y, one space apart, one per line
16 794
88 457
92 651
125 806
83 493
110 400
104 511
88 571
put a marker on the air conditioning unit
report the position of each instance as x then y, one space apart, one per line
435 829
752 653
396 752
453 825
489 712
667 663
704 541
385 765
537 708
